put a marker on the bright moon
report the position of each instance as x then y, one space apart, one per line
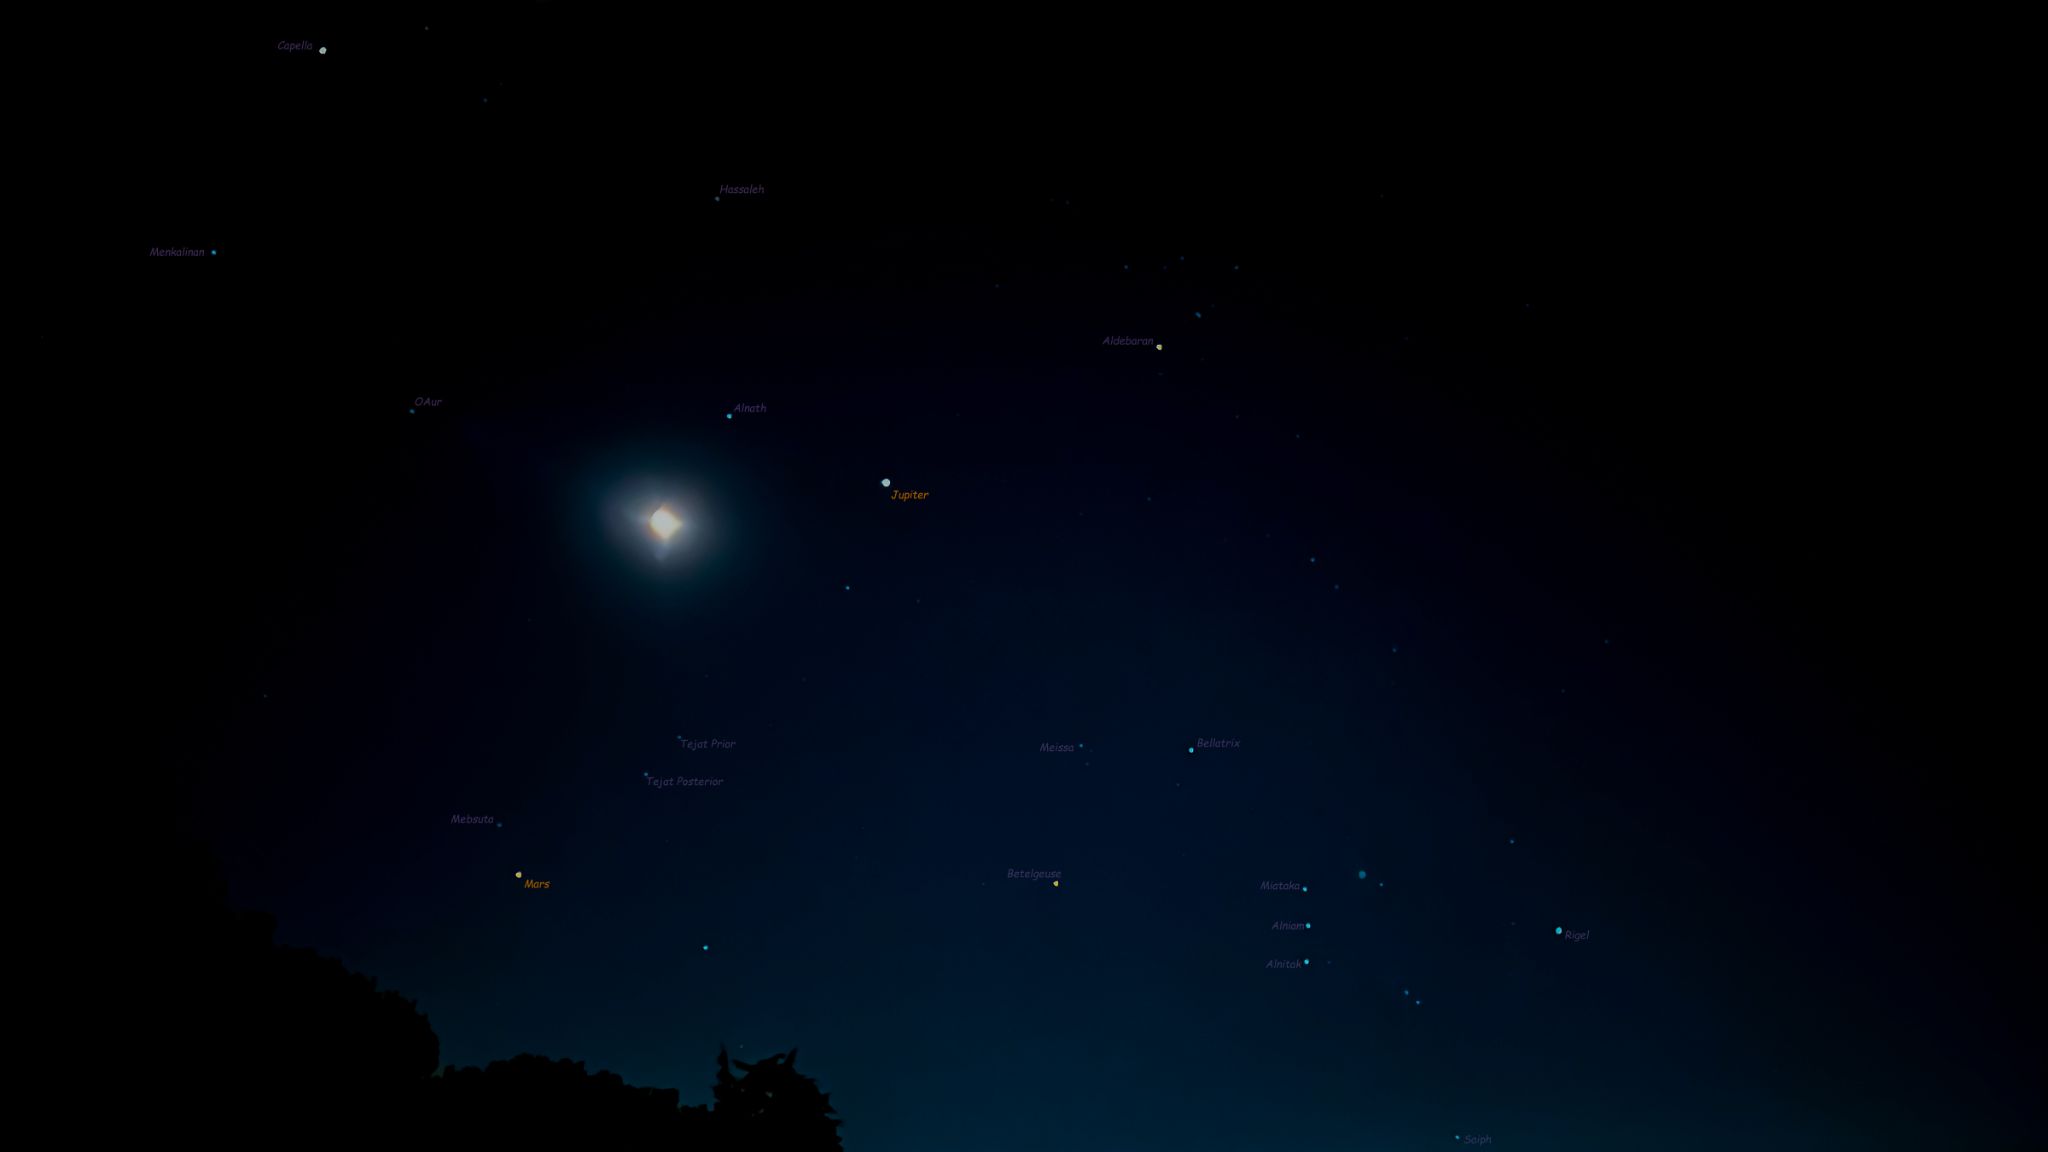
664 523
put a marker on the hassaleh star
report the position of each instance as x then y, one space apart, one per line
664 523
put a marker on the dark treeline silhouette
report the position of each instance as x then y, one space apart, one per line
251 1043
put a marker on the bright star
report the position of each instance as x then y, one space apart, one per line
664 523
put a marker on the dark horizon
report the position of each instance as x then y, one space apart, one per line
1548 547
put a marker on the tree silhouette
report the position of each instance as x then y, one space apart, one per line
774 1102
251 1036
254 1044
530 1099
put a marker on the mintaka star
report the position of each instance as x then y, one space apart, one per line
664 523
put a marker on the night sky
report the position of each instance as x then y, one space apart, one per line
1545 559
